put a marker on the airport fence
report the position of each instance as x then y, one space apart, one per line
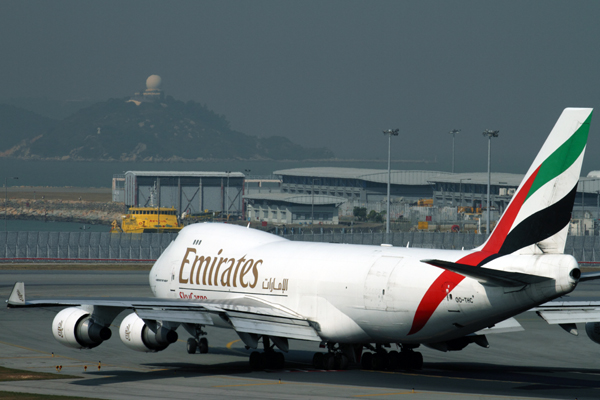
585 249
147 247
82 246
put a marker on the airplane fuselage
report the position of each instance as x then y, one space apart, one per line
352 293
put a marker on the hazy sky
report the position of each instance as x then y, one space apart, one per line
328 73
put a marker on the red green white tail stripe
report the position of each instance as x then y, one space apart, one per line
537 218
540 211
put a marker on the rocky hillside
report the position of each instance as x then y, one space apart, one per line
165 130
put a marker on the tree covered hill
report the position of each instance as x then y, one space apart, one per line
163 130
18 127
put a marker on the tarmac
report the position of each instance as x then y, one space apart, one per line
541 362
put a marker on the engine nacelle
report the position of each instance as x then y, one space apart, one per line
74 327
593 331
136 335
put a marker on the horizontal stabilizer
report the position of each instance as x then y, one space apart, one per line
489 276
17 296
508 325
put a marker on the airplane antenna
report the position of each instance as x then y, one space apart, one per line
407 244
248 225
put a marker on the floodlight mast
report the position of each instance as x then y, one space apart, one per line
490 134
453 132
389 133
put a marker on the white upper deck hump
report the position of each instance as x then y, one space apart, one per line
238 236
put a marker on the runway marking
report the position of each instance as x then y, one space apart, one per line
384 394
459 378
256 384
24 348
302 370
231 343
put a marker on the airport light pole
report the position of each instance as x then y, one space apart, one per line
227 194
6 199
312 201
389 133
490 134
453 132
460 188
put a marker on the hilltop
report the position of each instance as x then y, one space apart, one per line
162 130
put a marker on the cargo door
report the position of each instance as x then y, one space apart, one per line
376 284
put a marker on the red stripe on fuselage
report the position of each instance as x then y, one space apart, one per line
448 280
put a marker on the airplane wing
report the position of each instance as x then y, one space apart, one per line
245 314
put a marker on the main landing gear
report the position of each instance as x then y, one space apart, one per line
270 358
380 359
339 357
197 344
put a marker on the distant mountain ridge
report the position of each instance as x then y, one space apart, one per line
118 130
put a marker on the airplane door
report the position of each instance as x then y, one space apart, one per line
376 284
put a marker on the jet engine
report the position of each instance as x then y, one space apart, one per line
74 327
138 336
593 331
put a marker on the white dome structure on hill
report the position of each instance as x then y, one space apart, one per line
153 83
152 92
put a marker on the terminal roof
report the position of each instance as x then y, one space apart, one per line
398 177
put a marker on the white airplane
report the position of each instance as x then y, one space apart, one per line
350 297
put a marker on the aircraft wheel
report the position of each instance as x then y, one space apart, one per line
379 361
256 360
279 360
393 360
415 360
341 361
203 346
318 359
366 360
329 361
403 360
191 346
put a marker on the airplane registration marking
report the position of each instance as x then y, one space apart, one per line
468 300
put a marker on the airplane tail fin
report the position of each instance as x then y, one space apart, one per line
537 217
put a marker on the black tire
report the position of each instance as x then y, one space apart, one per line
318 361
191 346
256 360
416 360
279 360
329 361
341 361
203 346
393 360
404 360
379 361
366 361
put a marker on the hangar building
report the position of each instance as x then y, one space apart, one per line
192 192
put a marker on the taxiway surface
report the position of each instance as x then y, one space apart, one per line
541 362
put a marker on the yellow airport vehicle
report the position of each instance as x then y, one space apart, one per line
146 220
